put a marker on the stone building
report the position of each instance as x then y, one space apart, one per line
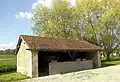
40 56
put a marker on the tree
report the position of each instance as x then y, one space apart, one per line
58 21
96 21
9 51
1 52
102 24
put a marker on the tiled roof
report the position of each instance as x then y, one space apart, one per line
48 43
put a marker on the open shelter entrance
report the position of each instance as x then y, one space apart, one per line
46 58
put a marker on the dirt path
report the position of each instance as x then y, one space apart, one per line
107 74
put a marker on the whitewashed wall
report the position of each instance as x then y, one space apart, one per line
24 60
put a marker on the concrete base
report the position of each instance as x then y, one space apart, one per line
72 66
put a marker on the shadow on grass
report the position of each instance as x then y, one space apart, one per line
6 69
110 63
106 65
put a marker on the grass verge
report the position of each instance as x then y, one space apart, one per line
110 63
10 77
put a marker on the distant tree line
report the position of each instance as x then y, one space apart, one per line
7 51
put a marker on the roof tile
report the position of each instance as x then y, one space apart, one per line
41 43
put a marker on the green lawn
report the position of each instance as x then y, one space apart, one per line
110 63
7 63
8 69
113 61
10 77
8 56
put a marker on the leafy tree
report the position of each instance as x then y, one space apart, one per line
101 24
58 21
96 21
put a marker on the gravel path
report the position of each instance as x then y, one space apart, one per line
107 74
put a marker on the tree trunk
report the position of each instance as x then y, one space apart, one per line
108 57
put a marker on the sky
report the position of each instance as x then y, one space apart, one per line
15 20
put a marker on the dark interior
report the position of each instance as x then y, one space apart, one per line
45 57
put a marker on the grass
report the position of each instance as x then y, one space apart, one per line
113 61
10 77
110 63
7 63
8 69
7 56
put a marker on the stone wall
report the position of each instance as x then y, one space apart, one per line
71 66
